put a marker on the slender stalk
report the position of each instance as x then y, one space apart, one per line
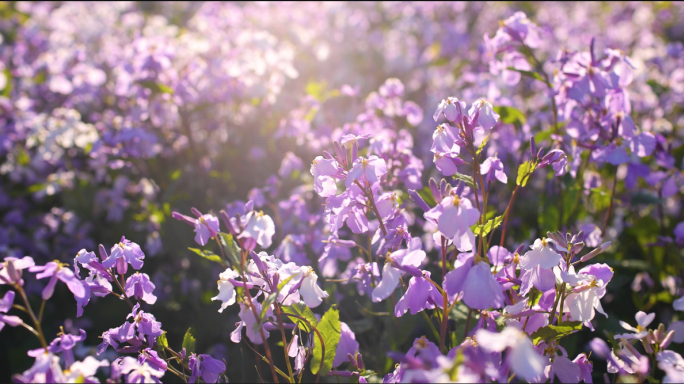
36 323
445 306
467 325
40 312
610 207
285 345
508 211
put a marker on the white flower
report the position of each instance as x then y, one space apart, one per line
643 320
522 357
311 293
541 254
226 289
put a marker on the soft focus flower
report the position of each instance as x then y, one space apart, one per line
522 358
139 287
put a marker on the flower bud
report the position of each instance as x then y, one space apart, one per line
661 332
435 190
601 248
667 340
13 273
418 200
327 155
533 146
103 252
196 212
647 345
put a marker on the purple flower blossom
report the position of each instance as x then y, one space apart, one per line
56 270
139 287
206 367
124 253
206 227
6 305
493 168
368 170
10 269
259 227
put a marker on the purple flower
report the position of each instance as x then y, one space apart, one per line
493 168
369 169
522 358
289 164
10 269
226 288
347 345
85 370
150 357
124 253
447 162
558 161
206 367
420 295
64 343
45 369
456 218
480 289
144 322
259 227
398 262
135 371
451 108
206 227
482 113
6 305
56 270
139 286
541 255
643 320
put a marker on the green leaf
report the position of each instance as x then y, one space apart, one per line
524 171
156 87
162 342
282 283
176 174
23 158
265 305
483 230
231 249
7 91
530 74
464 178
510 115
555 332
189 342
209 255
300 309
37 187
330 329
482 145
426 194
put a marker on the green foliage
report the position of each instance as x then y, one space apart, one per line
231 250
555 332
426 194
156 87
483 230
464 178
482 145
162 342
209 255
524 171
530 74
330 330
510 115
300 309
189 342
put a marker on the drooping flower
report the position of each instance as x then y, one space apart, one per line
226 288
206 367
58 271
454 222
482 113
311 293
206 227
139 286
493 168
398 262
10 269
420 295
5 305
347 345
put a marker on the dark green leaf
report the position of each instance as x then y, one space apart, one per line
426 194
555 332
464 178
189 342
330 330
209 255
300 309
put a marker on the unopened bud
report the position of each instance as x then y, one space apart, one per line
596 251
355 151
435 190
13 273
533 146
196 212
667 340
647 345
103 252
327 155
418 200
661 331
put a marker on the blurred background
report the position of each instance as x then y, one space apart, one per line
113 115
